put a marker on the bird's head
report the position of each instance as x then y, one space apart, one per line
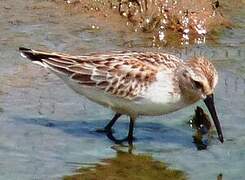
197 79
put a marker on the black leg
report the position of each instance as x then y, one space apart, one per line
112 122
129 138
108 127
131 131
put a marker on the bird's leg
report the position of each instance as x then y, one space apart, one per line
108 127
131 131
129 138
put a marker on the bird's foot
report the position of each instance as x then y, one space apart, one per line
104 130
120 141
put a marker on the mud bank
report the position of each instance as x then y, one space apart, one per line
168 22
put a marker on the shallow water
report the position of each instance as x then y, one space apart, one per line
47 131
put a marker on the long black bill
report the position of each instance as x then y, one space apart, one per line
209 101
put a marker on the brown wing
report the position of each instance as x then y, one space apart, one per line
122 78
121 74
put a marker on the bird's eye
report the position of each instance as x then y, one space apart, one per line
198 84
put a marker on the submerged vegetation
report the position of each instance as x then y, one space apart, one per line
126 166
203 128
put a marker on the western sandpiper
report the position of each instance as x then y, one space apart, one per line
134 83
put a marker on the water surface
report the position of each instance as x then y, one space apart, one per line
47 131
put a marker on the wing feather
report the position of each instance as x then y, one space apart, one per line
123 74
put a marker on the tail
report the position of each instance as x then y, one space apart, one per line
56 62
29 53
36 56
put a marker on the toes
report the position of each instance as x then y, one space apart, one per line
103 130
119 141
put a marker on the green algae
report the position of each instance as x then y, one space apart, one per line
127 166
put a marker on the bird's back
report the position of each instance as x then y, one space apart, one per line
124 81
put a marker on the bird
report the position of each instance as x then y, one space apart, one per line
134 83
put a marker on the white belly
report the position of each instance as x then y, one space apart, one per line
158 99
139 106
